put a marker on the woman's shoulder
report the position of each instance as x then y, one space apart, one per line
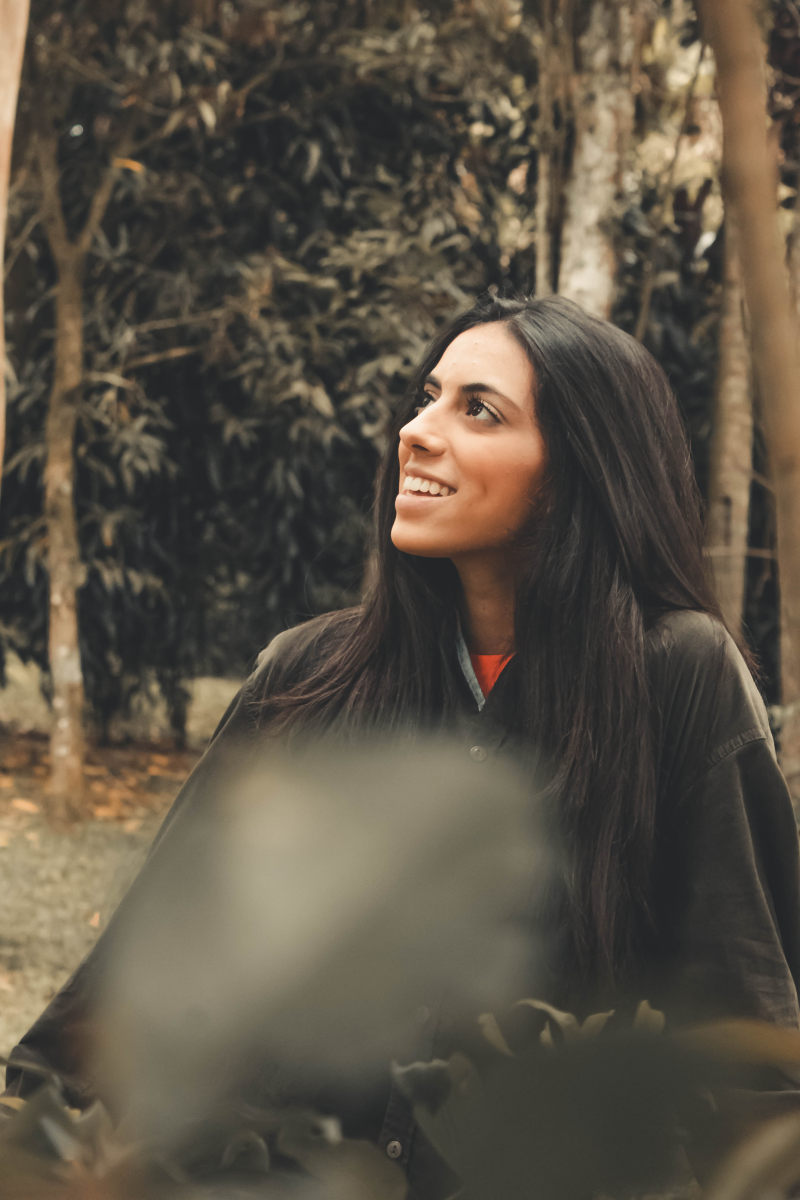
703 691
289 650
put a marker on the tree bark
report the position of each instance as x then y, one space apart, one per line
14 24
794 257
603 113
731 465
750 170
544 141
65 569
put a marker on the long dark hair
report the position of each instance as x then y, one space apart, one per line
615 540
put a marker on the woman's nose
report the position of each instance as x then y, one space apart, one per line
422 433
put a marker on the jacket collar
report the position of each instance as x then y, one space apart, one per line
467 669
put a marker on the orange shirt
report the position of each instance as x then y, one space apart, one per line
487 668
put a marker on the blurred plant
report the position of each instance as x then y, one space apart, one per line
272 959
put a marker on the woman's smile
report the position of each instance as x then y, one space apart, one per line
413 484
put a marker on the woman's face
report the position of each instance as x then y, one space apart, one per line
473 457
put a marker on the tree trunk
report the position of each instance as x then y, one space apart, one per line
544 150
794 257
603 113
14 24
63 552
731 466
65 569
750 168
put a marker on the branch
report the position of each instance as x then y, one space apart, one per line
161 356
99 204
52 209
89 71
200 318
20 243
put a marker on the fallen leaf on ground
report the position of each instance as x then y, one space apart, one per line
104 812
23 805
6 982
6 781
5 840
132 825
94 920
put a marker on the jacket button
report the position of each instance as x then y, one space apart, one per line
394 1149
477 753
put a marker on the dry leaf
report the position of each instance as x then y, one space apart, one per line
23 805
132 825
104 812
94 920
5 839
6 781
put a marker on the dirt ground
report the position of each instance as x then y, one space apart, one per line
58 888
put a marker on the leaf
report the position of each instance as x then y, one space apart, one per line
207 113
23 805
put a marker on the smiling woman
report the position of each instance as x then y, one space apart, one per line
481 442
537 584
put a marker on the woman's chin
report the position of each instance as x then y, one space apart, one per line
410 542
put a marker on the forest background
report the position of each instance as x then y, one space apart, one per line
232 228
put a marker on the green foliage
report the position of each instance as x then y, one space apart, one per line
303 193
299 206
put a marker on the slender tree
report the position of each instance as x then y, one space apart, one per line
750 169
730 467
65 568
14 23
603 109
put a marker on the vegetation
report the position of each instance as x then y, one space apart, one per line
253 217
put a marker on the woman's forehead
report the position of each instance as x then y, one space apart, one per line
487 354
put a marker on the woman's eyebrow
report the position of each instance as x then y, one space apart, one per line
485 388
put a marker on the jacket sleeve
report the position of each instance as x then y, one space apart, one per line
731 893
60 1040
728 874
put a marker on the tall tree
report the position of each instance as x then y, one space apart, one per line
731 456
65 568
14 23
603 109
750 169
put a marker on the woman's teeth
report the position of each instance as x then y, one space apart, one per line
413 483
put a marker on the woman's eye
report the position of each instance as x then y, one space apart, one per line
424 400
478 408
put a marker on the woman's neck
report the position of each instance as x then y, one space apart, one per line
487 610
